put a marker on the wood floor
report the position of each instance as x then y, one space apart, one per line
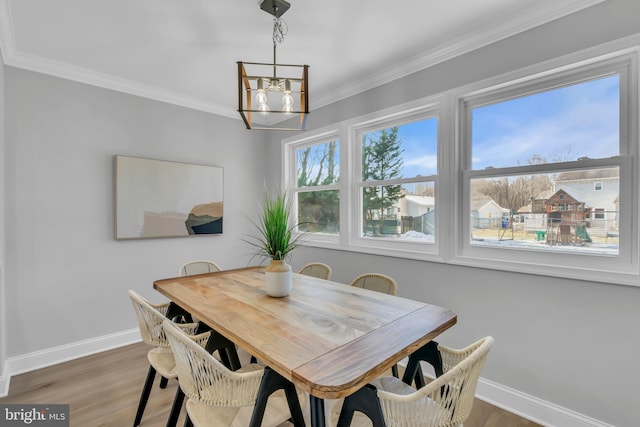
104 389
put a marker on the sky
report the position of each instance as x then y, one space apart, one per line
580 120
563 124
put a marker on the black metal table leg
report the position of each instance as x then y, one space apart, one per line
225 347
271 382
317 412
365 401
178 313
428 353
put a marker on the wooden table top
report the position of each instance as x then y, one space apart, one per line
328 338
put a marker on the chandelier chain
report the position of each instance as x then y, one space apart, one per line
279 30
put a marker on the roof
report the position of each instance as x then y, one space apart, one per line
562 196
588 174
421 200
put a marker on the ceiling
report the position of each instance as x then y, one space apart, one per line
185 51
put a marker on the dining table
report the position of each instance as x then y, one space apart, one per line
327 338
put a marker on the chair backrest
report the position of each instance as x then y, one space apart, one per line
198 267
316 269
204 379
150 318
376 282
447 400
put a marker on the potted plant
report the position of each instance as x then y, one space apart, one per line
275 242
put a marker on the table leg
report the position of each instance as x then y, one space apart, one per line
428 353
272 381
317 412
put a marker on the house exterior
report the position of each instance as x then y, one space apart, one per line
485 212
598 189
565 219
417 213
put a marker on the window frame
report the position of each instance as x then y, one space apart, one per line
454 175
622 268
290 176
402 115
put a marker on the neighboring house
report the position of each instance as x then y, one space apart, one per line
417 213
485 212
599 189
411 205
533 216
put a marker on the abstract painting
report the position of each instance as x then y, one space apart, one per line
158 198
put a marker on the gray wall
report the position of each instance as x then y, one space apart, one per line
572 343
3 299
67 276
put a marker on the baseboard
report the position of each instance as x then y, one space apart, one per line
52 356
532 408
4 385
526 406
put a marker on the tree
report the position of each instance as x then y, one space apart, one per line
317 165
381 160
514 192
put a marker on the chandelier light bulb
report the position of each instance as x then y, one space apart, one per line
261 95
287 104
287 99
263 109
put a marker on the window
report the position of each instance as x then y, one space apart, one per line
397 179
542 145
317 180
511 170
548 129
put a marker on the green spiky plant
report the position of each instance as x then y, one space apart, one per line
277 237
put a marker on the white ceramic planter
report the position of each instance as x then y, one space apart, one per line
278 279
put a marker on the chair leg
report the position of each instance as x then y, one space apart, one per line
144 397
394 371
163 382
175 408
364 400
187 422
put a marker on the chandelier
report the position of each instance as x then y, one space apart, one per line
267 93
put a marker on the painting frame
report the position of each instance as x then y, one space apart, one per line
162 199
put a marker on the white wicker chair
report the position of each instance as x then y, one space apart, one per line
217 396
316 269
198 267
376 282
161 361
444 402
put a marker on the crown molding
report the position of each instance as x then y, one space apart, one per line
529 18
106 81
